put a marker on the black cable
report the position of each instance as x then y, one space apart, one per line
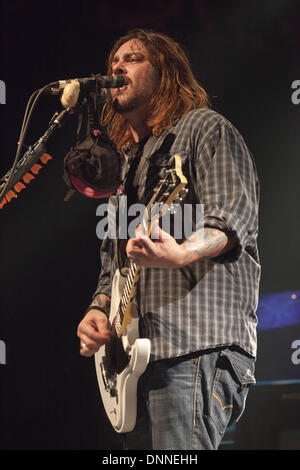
26 113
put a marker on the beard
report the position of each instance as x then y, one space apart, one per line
128 100
126 106
123 106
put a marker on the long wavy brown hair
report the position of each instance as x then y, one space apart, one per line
177 94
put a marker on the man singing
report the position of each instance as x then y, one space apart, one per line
196 297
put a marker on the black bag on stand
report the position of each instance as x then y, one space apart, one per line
92 167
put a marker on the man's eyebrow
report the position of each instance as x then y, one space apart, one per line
129 54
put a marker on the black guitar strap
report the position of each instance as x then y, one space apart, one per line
139 154
147 149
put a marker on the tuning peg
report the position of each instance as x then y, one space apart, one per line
172 209
183 192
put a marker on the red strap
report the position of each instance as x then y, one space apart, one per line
86 190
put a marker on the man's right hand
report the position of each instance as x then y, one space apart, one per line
93 332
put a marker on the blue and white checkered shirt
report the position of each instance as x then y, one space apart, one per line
212 302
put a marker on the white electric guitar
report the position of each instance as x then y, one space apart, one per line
125 356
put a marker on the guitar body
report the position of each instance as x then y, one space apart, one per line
119 389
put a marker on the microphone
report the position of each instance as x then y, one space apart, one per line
72 88
109 81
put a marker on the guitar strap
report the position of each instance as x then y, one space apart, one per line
139 156
147 149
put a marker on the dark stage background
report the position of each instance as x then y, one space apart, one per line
246 55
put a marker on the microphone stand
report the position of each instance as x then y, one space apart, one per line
12 182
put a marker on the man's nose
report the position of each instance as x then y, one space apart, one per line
118 68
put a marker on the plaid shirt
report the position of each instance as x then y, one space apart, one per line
212 302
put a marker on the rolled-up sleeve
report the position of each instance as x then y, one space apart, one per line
227 186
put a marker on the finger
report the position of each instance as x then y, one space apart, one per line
93 325
141 230
85 351
135 248
101 323
143 255
89 347
149 248
143 243
87 342
88 331
157 233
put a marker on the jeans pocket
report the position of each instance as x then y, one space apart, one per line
234 374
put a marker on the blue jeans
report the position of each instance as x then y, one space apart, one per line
187 403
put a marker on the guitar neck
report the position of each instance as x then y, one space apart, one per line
124 317
168 189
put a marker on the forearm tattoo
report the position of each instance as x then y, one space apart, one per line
207 243
101 300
